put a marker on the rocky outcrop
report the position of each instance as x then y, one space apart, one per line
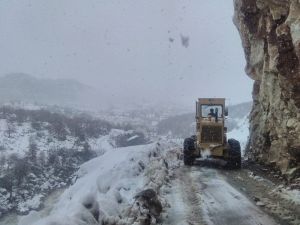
270 33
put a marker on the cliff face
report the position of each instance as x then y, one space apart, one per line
270 33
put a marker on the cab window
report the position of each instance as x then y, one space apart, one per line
211 110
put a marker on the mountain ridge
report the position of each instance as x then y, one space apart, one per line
21 87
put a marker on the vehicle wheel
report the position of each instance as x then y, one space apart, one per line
235 158
188 160
188 149
189 144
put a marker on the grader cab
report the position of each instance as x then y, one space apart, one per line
210 140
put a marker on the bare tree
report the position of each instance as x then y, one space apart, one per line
59 130
42 159
2 161
10 129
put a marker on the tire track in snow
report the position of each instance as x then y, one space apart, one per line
202 196
185 200
193 196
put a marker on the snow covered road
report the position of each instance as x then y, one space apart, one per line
202 195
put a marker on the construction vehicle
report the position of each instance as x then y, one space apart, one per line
210 140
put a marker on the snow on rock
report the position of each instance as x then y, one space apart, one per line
106 186
148 199
291 195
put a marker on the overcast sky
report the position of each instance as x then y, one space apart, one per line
130 49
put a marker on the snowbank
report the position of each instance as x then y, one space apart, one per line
106 186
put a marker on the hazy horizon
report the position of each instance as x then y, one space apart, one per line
132 50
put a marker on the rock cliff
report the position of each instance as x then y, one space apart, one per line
270 33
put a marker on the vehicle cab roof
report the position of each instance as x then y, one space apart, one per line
212 101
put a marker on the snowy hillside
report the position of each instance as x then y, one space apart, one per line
40 151
240 132
105 189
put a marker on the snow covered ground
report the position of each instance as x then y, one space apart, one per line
41 150
106 186
18 144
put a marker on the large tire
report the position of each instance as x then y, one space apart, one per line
235 158
188 149
188 161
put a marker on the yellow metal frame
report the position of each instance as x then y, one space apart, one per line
216 149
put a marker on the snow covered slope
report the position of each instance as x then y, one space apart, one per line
41 150
240 132
107 185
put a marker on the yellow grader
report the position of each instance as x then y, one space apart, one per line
210 140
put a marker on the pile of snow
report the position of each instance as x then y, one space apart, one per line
241 132
106 186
